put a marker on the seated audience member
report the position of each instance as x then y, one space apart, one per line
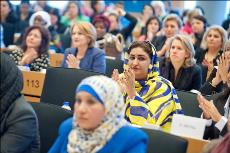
217 111
98 8
211 49
159 9
199 25
209 147
180 67
84 55
49 20
41 6
112 45
171 26
152 27
73 14
217 83
148 11
8 20
187 28
24 13
114 23
98 124
34 49
56 29
149 98
19 125
224 145
40 18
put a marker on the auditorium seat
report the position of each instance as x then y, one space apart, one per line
60 85
112 64
161 142
49 118
189 103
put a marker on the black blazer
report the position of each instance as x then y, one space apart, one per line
159 42
219 101
19 129
187 78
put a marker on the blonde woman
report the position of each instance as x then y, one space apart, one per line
212 48
180 67
84 55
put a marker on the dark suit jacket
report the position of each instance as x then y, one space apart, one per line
219 100
187 78
19 129
159 42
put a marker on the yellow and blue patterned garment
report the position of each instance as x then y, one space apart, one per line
156 100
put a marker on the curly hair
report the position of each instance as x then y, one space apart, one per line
45 39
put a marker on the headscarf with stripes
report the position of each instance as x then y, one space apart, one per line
156 100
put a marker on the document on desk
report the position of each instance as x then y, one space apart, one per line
188 126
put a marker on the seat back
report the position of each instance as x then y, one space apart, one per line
112 64
161 142
50 118
60 84
189 103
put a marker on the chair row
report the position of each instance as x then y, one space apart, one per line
51 116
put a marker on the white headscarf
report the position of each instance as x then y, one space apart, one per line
45 16
81 141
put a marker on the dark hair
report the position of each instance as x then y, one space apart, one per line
78 7
145 45
45 39
103 19
55 12
201 9
148 22
201 18
115 15
150 7
93 3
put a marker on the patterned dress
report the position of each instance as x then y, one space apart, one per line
42 62
156 100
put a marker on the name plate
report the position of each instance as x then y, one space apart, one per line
33 83
188 126
56 59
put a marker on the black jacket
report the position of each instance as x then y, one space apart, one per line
19 129
126 31
187 78
219 100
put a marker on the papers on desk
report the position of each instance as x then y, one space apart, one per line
188 126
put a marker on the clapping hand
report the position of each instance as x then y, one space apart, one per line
223 67
126 81
72 61
29 56
209 109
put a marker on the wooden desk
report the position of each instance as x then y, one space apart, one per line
195 145
33 84
56 59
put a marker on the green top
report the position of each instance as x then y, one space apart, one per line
67 22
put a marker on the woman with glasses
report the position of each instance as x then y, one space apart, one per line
149 98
